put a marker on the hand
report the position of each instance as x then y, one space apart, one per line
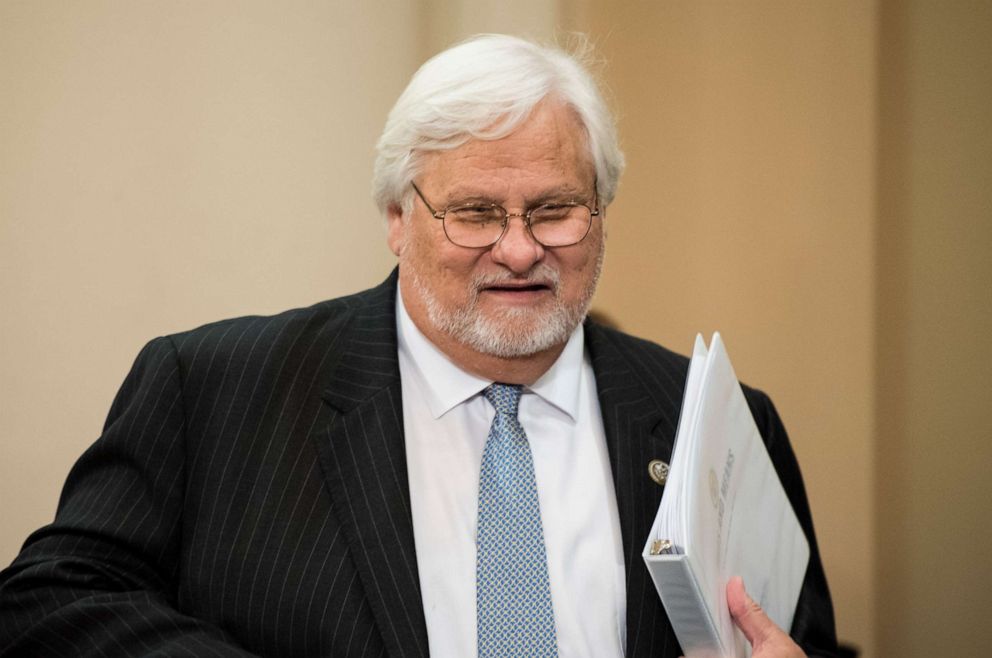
767 640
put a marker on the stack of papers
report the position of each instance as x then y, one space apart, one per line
723 513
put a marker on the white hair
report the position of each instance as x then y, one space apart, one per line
484 88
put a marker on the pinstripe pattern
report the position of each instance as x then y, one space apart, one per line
249 496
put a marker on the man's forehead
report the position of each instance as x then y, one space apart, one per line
547 153
482 189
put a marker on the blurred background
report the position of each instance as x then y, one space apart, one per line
811 178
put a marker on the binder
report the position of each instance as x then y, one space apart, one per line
723 513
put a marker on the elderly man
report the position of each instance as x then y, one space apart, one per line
451 463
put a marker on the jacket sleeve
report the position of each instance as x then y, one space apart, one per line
101 579
813 624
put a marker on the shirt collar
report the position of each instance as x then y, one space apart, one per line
447 385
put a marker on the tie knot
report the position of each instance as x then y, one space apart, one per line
505 398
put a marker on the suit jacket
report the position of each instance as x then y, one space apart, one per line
249 496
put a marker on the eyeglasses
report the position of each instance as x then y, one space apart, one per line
478 225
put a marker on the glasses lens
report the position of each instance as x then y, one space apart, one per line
560 225
474 225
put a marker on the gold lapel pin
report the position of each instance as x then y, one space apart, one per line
658 470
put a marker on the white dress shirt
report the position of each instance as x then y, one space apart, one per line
446 422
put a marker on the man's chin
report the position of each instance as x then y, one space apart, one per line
497 301
518 333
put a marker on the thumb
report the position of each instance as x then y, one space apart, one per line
748 615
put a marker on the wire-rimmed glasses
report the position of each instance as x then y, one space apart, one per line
477 225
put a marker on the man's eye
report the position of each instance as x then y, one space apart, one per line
551 212
477 214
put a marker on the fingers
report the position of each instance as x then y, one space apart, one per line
748 615
767 639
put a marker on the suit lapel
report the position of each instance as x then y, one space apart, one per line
363 456
640 397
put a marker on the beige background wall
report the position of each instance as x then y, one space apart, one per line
162 165
808 177
933 328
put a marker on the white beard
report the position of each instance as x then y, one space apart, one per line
511 332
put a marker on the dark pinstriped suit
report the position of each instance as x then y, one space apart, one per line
249 495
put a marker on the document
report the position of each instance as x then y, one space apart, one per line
723 513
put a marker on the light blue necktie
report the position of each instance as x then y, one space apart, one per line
513 594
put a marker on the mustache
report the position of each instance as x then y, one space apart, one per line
541 274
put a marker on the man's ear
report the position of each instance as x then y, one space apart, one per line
396 225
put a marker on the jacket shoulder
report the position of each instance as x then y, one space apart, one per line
251 326
640 355
311 334
654 364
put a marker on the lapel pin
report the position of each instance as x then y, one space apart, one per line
658 470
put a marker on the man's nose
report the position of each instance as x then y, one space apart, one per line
517 249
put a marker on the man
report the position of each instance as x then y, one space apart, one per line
448 464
